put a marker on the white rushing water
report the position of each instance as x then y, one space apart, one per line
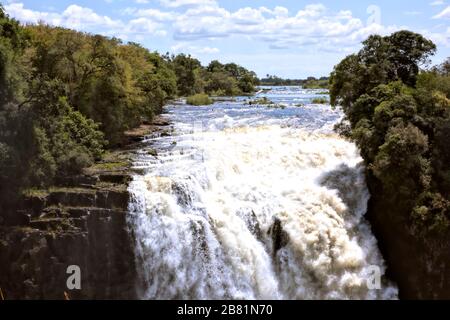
254 203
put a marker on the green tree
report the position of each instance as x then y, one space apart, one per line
185 68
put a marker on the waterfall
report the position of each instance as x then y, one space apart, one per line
253 212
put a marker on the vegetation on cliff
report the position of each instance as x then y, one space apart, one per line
400 118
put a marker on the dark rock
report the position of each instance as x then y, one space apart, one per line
34 262
74 181
152 152
34 204
112 199
82 222
115 178
419 266
46 224
72 198
279 237
160 122
182 193
252 223
78 212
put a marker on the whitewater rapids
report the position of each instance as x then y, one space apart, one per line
253 203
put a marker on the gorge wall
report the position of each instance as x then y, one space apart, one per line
83 226
419 266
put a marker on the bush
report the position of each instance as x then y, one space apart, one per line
200 99
320 101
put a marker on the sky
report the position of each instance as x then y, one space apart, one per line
287 38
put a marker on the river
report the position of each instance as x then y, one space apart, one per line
252 202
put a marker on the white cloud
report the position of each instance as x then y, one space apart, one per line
437 3
181 3
248 16
18 11
312 11
189 20
73 16
142 25
79 17
313 25
186 47
155 14
445 14
441 38
147 22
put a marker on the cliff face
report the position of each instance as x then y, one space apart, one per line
82 222
419 265
34 262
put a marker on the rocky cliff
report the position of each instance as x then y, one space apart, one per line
419 265
80 221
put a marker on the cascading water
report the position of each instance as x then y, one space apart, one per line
250 202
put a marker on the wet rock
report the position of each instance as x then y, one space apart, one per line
82 226
79 180
279 237
152 152
251 220
182 193
160 122
34 204
47 224
73 198
112 199
420 266
79 212
115 178
34 262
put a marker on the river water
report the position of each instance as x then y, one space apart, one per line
252 202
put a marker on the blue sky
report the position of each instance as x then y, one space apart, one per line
289 38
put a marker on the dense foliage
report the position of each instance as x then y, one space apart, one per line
400 119
199 99
65 96
216 79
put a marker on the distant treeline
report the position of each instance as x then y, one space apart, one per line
66 96
309 83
